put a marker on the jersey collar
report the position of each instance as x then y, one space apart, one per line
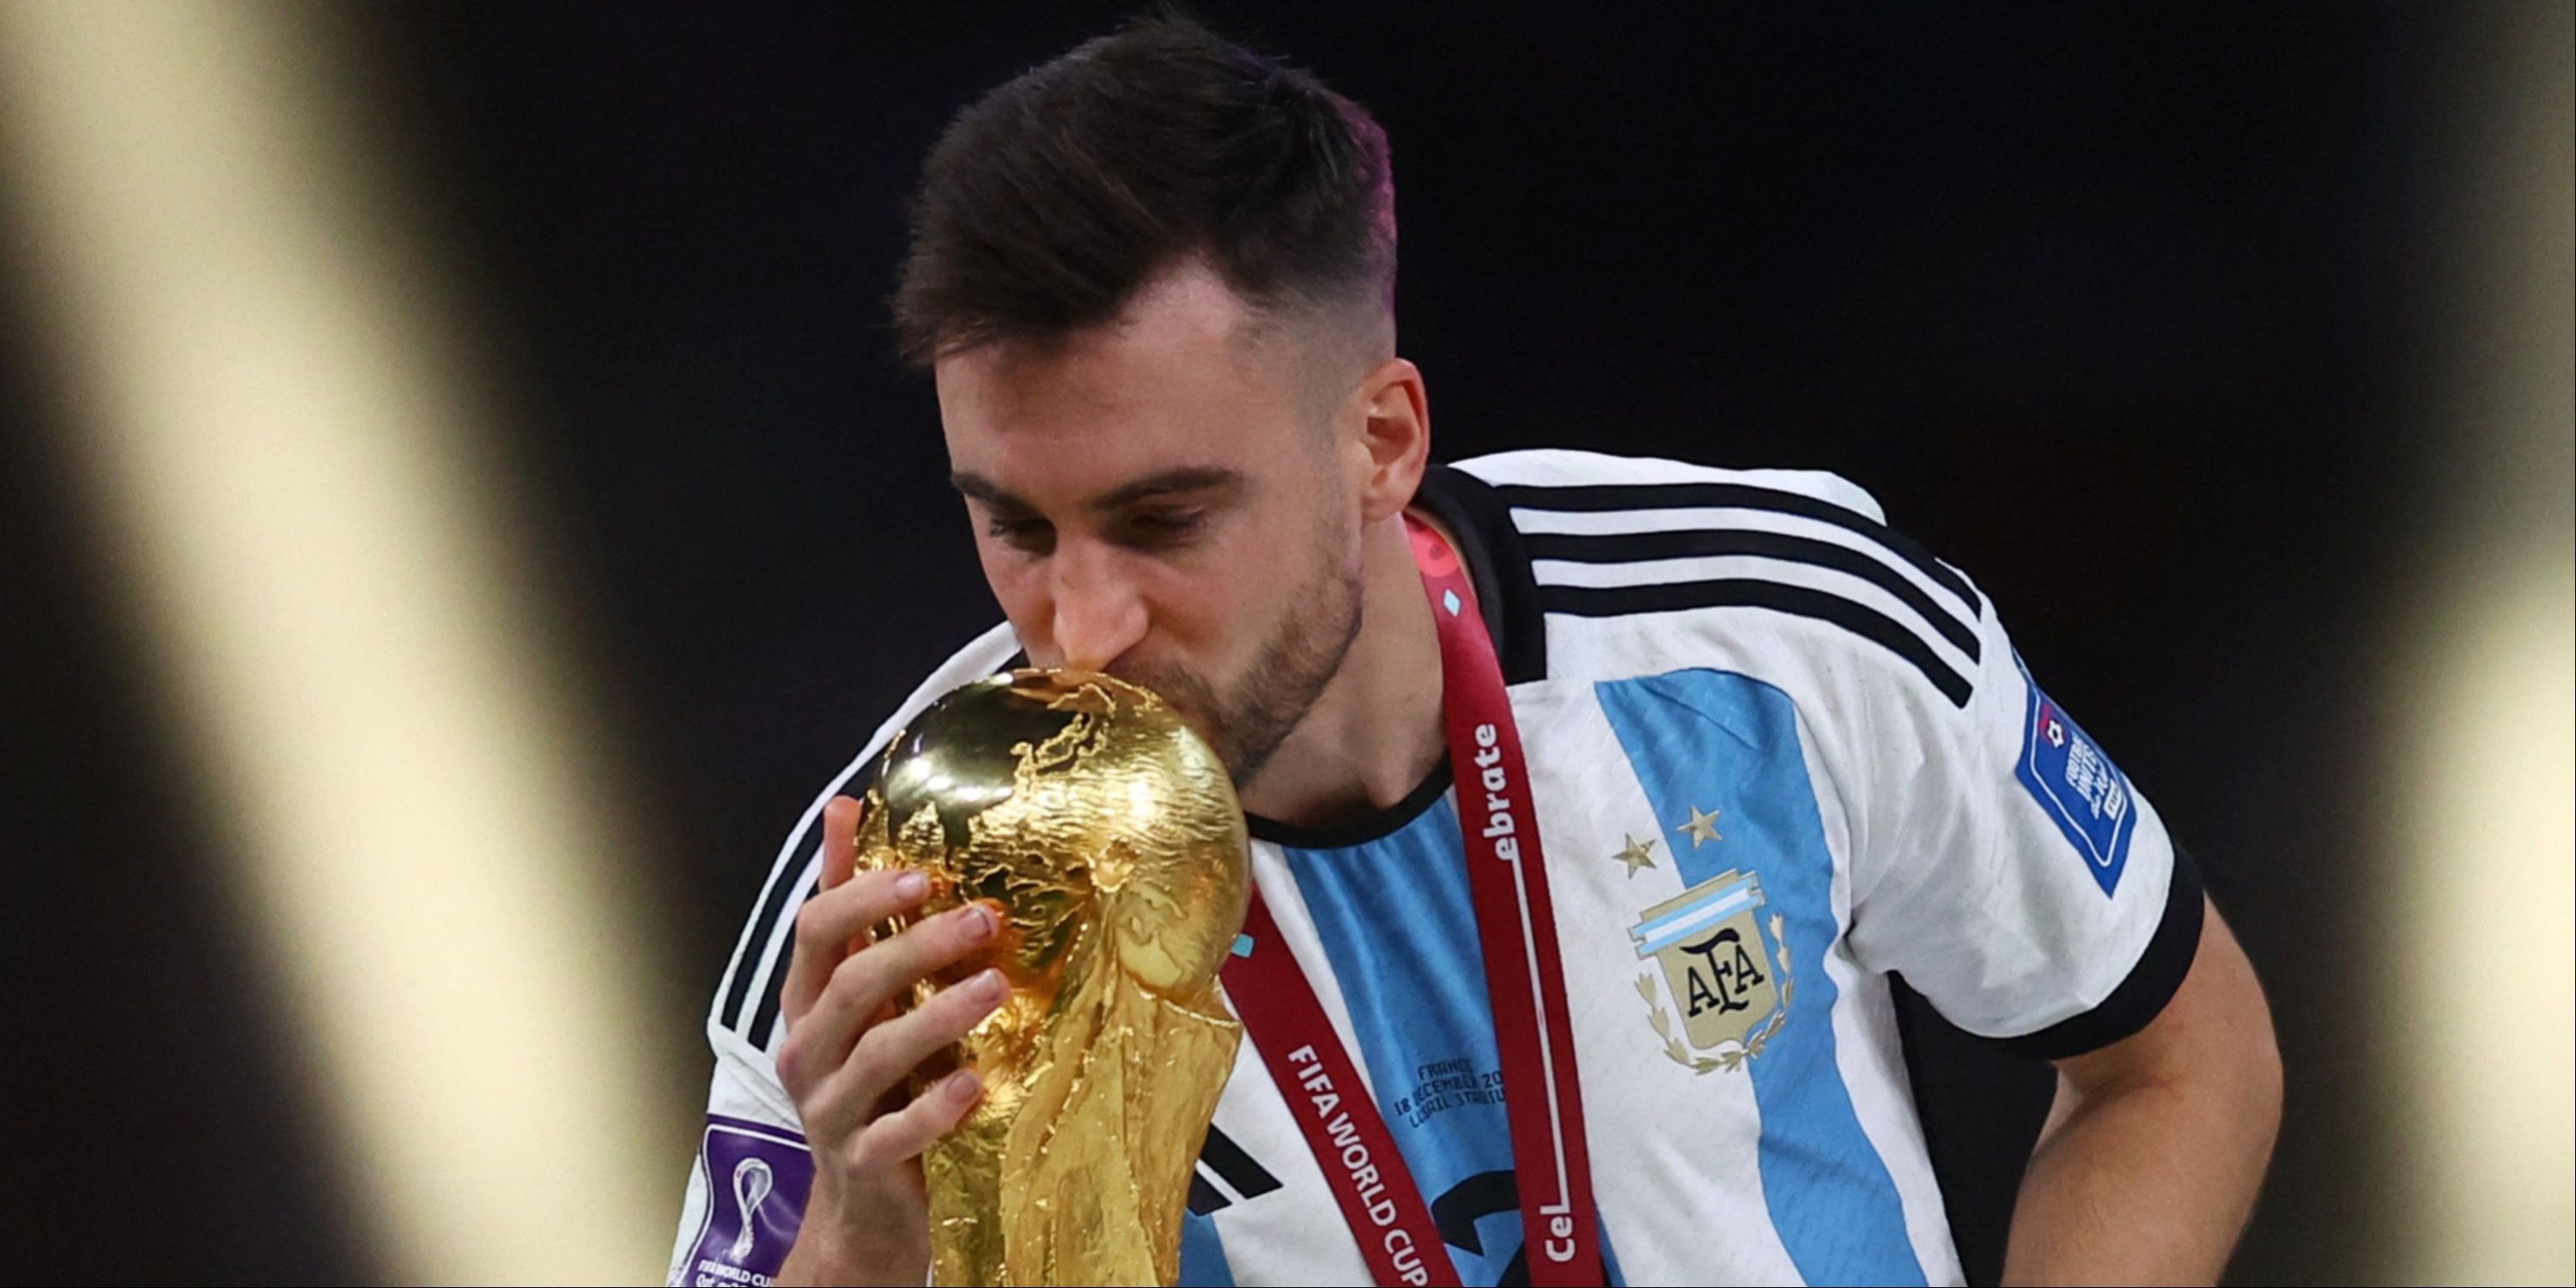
1505 588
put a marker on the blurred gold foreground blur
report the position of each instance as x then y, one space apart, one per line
275 414
2479 903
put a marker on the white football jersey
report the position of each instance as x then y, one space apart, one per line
1777 754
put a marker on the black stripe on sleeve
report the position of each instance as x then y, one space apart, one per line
774 903
766 1014
757 960
2142 996
1637 547
1869 623
1596 497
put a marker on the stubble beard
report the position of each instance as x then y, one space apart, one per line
1247 724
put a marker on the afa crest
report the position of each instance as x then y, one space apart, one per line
1725 972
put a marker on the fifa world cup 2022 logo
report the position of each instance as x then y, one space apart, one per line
752 1181
757 1178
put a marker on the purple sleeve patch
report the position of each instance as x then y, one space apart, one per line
757 1179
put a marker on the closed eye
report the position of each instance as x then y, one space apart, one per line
1029 536
1153 529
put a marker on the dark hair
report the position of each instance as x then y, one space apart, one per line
1048 203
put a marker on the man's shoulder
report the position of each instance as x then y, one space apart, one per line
1564 476
979 657
995 649
1791 577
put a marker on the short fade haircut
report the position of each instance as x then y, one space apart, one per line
1051 202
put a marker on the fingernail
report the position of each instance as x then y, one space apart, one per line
963 1084
911 885
979 922
986 987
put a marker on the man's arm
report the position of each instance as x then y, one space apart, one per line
2156 1146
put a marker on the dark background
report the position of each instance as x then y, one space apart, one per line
2120 308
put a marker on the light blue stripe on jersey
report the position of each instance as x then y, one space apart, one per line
1203 1263
1397 924
1702 740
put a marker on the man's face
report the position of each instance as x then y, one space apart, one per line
1153 499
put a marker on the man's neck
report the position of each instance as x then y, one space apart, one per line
1374 734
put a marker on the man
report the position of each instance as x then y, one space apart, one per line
1774 751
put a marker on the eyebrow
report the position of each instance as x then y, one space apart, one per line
1187 478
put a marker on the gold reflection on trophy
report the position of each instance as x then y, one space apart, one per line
1107 837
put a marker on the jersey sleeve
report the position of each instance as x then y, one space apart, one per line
745 1198
746 1191
1995 855
2004 865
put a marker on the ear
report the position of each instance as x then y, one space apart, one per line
1393 444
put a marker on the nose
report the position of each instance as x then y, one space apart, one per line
1098 613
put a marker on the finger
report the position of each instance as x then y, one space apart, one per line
840 840
863 984
893 1050
907 1132
828 923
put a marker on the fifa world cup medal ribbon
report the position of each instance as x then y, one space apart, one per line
1107 837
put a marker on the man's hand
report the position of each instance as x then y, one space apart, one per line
847 1053
2149 1164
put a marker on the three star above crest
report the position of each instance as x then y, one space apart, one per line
1639 854
1702 827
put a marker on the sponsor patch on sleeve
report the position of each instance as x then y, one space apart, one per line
2077 785
757 1179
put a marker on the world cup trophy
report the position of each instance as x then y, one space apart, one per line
1106 837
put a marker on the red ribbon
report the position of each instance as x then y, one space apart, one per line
1507 879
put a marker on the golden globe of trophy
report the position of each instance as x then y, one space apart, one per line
1106 836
